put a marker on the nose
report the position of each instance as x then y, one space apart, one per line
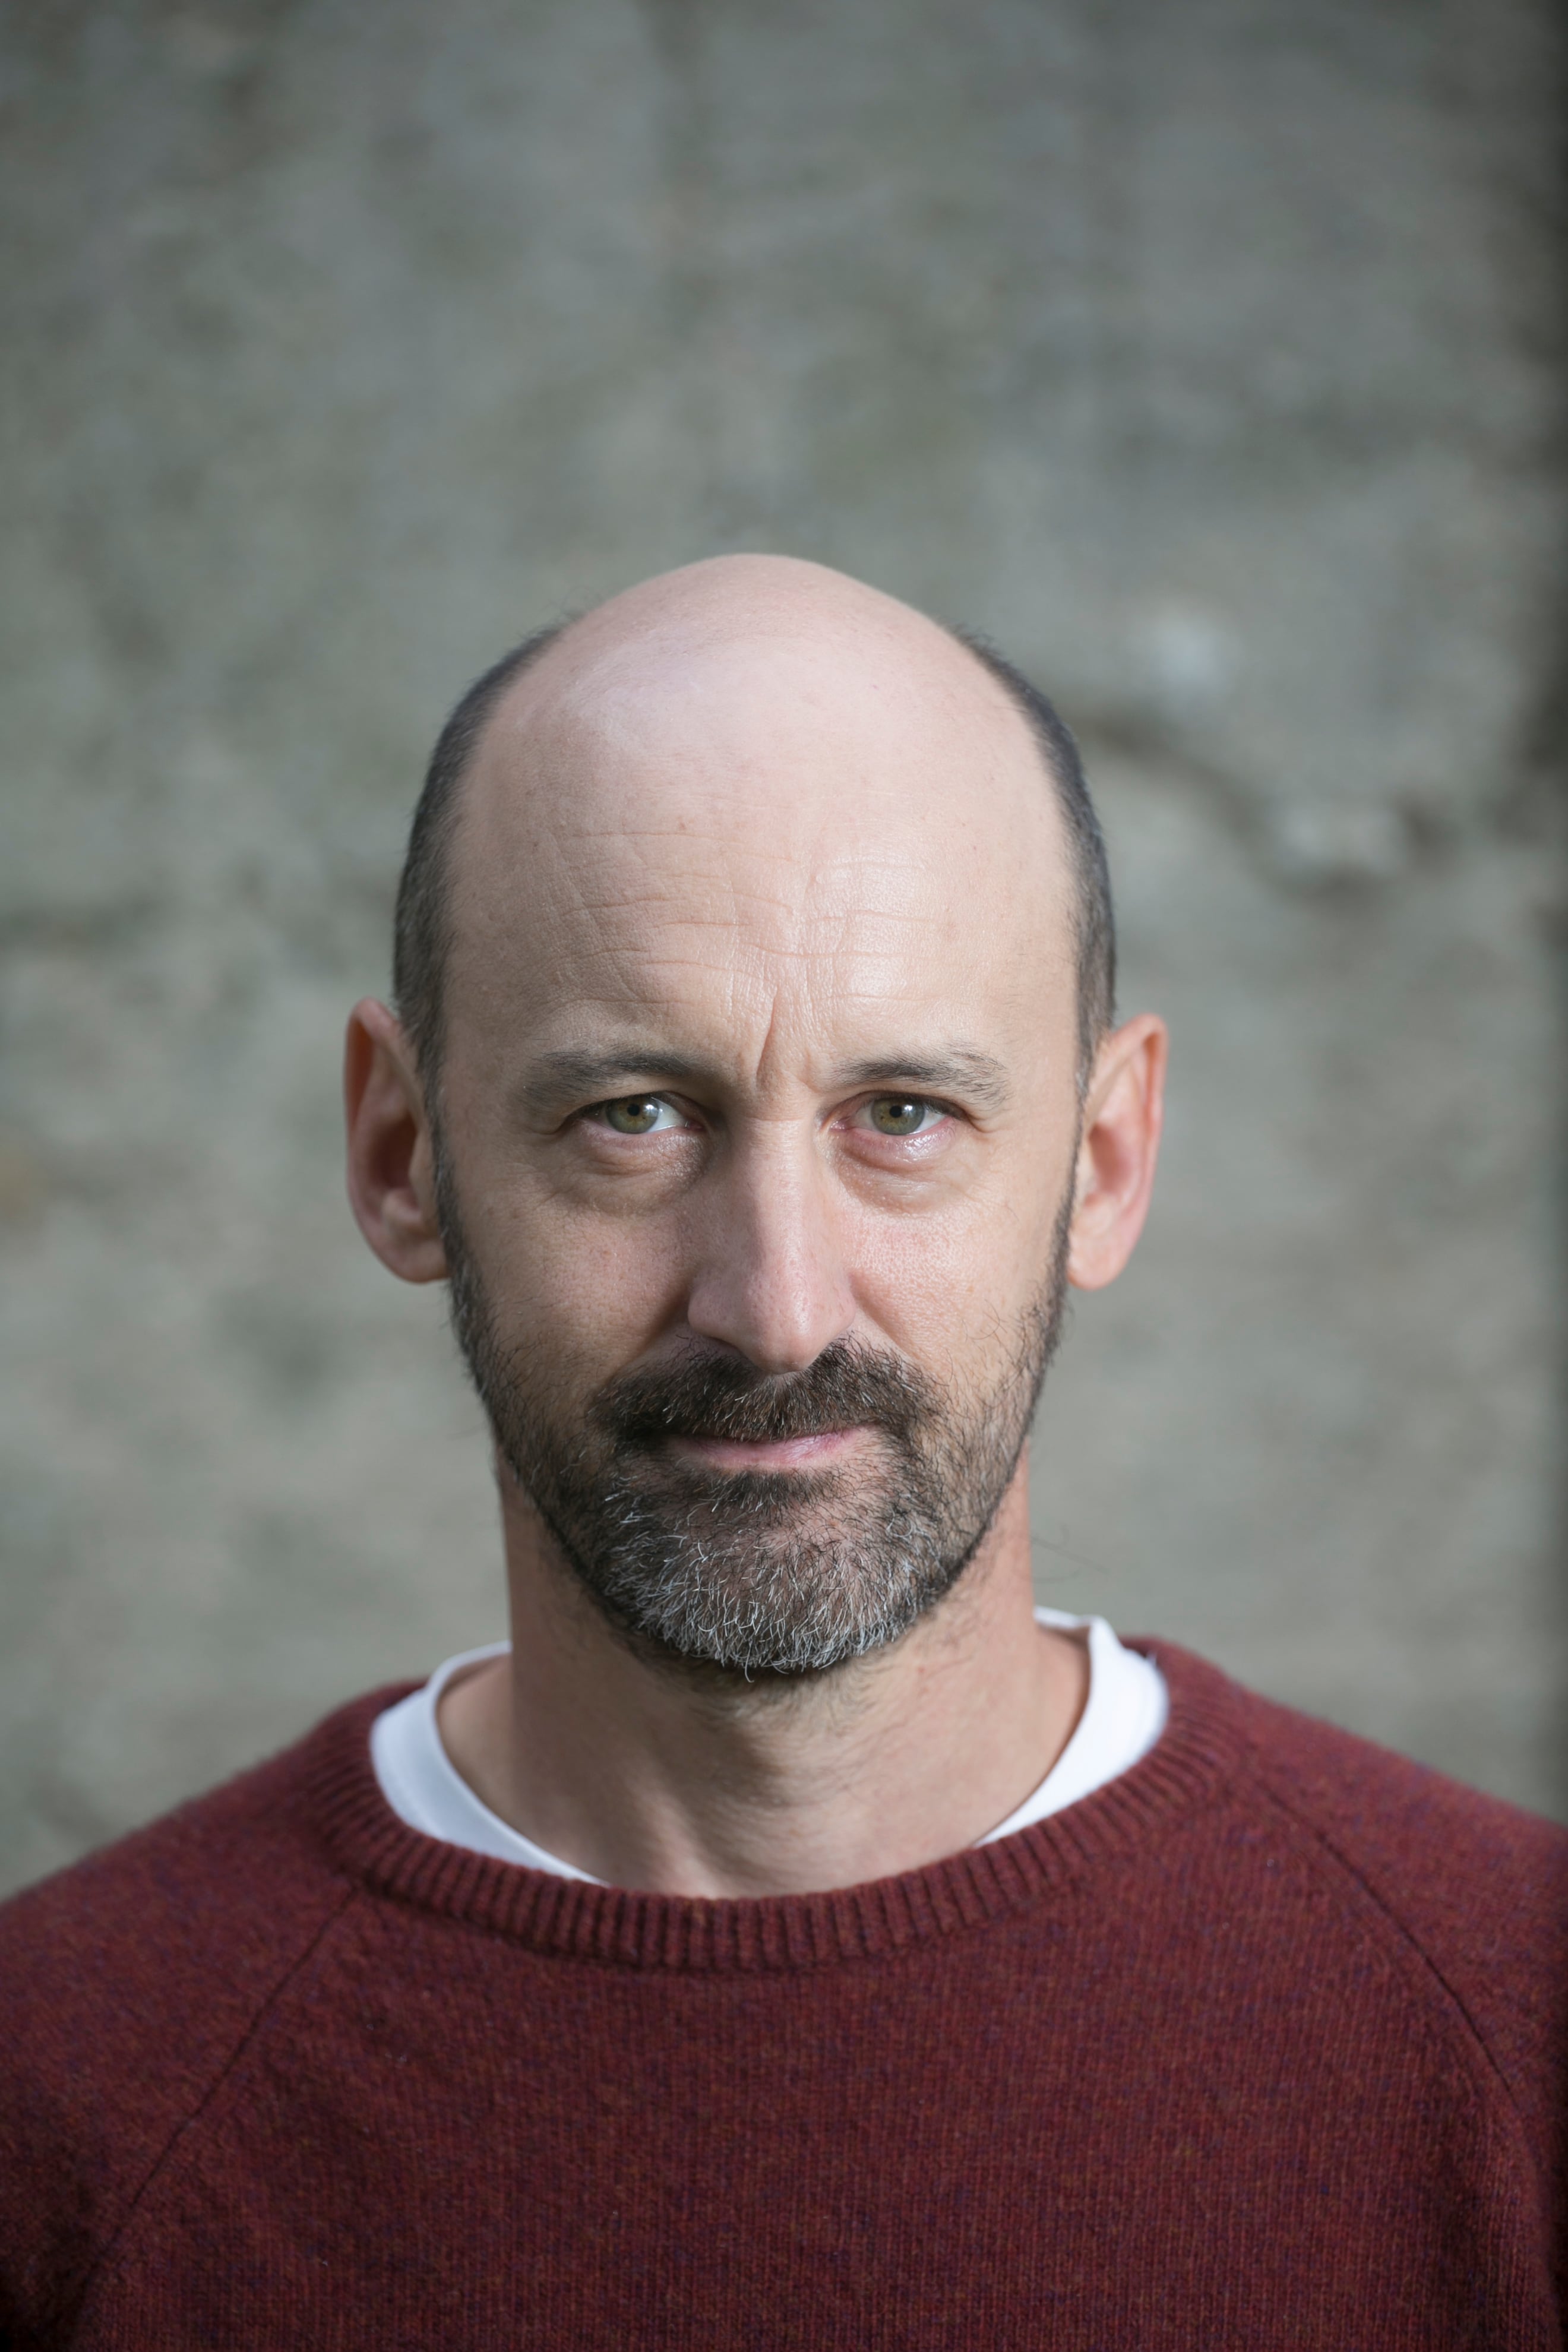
770 1278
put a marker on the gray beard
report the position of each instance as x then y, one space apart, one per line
782 1574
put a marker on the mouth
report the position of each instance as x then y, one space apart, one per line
823 1450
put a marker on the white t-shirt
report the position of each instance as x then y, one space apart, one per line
1123 1715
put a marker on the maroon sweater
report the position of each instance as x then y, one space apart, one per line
1261 2046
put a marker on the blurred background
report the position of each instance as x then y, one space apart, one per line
1208 358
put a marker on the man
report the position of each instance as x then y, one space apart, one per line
792 1937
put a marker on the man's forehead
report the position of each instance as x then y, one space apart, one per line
746 980
846 786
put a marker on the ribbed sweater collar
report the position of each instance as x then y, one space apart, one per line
1195 1755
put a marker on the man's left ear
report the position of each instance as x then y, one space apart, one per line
392 1169
1122 1119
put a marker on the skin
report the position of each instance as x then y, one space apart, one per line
761 842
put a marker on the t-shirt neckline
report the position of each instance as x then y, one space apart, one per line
1123 1715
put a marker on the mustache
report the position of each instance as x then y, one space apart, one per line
848 1386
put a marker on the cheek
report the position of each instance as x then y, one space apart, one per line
592 1290
953 1288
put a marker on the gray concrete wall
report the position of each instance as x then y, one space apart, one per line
1204 356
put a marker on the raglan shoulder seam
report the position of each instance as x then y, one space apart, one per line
1327 1846
191 2120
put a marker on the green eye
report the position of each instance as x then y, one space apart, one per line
898 1113
636 1114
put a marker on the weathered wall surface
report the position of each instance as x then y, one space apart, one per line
1203 356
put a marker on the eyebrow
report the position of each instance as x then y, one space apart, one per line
963 1069
575 1074
572 1073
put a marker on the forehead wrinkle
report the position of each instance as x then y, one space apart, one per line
858 961
642 939
631 914
876 883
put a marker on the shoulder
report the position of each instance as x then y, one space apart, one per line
129 1982
1474 1889
1466 1874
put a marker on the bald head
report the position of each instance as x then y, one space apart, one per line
785 724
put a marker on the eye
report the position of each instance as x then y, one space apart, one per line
639 1115
901 1115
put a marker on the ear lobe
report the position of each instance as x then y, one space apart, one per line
1122 1121
391 1162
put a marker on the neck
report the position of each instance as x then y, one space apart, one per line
646 1775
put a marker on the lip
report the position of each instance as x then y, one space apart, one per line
816 1452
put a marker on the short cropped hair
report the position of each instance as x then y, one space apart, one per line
1094 916
422 934
421 926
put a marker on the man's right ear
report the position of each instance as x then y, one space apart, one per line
391 1160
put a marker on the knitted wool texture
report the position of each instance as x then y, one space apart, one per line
1262 2045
